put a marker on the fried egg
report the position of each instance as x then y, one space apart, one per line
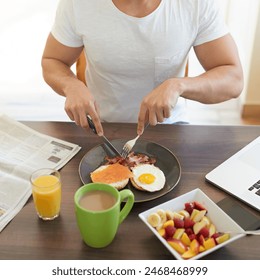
148 177
115 175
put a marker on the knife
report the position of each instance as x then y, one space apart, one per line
107 142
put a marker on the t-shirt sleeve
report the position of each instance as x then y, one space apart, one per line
64 28
211 22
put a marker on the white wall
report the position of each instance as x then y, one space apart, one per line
24 27
253 85
242 17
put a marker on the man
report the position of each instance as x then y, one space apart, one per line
136 54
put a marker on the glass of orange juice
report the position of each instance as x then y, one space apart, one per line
46 190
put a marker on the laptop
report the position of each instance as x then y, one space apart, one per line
239 175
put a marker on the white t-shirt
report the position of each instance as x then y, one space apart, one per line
127 57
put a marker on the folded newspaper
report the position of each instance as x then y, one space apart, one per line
22 151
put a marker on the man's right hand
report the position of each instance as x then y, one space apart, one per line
80 103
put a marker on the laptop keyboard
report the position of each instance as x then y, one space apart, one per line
255 187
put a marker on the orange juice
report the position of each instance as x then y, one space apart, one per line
46 191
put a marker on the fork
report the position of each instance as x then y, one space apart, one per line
129 145
248 232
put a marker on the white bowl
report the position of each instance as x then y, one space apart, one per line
218 217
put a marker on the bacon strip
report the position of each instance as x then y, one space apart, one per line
131 160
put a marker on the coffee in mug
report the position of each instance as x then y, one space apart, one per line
99 213
97 200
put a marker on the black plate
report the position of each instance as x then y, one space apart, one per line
165 160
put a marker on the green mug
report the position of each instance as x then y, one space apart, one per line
99 213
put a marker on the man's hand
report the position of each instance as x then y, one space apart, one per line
157 105
56 62
80 103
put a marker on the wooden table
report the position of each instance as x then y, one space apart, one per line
198 148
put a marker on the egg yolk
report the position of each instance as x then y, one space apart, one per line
146 178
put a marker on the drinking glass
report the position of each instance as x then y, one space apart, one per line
46 190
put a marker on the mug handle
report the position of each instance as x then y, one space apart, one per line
126 194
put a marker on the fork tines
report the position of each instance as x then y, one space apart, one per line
125 152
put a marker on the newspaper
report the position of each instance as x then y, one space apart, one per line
22 151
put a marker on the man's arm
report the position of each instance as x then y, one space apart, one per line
222 80
56 62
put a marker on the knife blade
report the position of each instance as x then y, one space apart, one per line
107 142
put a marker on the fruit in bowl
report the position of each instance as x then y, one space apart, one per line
191 226
188 231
